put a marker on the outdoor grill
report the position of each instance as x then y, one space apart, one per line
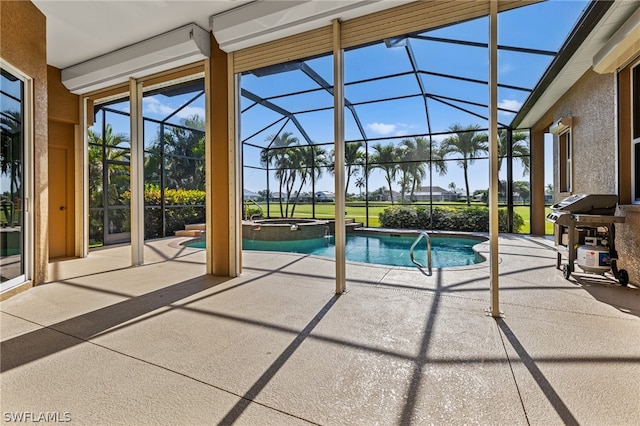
584 231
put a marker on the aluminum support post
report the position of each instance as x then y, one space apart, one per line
494 310
339 150
136 172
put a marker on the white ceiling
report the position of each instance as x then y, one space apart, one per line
81 30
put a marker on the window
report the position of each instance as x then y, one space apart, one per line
565 161
635 132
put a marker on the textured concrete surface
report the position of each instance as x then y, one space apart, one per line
628 240
108 344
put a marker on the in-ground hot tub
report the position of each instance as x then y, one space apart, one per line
284 229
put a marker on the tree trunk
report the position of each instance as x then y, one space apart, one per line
466 183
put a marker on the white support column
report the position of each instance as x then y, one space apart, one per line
136 173
82 179
339 150
235 174
208 166
494 310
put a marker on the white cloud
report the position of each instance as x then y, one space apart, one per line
382 128
506 68
154 106
187 112
511 104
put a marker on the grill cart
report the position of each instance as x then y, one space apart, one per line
584 232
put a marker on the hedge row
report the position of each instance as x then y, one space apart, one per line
172 196
182 207
464 219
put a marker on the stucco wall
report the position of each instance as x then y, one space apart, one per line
591 104
628 241
23 45
64 106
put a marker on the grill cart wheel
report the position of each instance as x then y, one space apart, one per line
566 271
623 277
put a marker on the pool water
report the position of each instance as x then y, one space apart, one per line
383 249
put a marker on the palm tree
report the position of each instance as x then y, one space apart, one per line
354 157
360 183
405 151
467 144
385 158
519 148
117 184
184 153
420 152
10 149
117 181
311 161
280 155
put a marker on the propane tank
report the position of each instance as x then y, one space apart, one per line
594 259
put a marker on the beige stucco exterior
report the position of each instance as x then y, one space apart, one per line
592 103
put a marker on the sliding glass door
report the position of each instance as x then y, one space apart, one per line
14 253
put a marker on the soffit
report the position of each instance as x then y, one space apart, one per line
579 63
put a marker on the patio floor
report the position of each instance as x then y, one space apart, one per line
105 344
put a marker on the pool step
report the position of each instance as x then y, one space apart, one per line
192 230
189 233
350 224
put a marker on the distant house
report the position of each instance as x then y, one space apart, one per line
548 198
325 196
277 196
250 195
435 193
384 196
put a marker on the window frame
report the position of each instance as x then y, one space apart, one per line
27 178
565 161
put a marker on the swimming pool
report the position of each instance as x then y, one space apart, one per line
384 249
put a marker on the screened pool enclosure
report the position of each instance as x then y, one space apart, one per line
174 172
415 131
416 125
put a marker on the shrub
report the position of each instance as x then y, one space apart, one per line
464 219
182 207
399 217
249 212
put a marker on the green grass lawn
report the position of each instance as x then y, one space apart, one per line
327 211
357 211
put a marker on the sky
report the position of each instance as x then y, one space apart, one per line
540 26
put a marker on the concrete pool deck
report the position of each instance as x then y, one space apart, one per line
105 344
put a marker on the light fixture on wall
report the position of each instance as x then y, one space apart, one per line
182 46
560 125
